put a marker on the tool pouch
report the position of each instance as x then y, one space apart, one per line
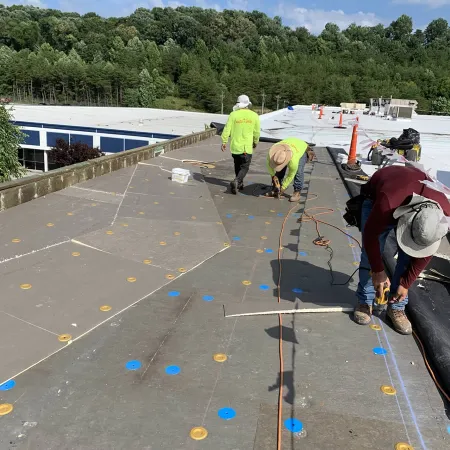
353 211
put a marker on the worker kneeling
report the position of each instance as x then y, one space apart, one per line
396 199
288 155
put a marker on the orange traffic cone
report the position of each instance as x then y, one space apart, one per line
352 155
321 112
341 121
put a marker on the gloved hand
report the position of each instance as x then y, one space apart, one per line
254 145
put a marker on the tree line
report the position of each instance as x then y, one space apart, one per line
154 57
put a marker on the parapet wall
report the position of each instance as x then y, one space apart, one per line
20 191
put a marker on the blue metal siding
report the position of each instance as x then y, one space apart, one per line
53 137
32 138
111 145
134 143
83 138
53 126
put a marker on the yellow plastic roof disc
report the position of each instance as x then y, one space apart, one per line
388 390
50 224
70 214
5 408
177 233
193 217
156 203
16 241
376 327
272 210
259 251
246 283
356 263
226 244
169 276
147 261
105 308
403 446
264 238
268 223
25 286
93 204
64 338
124 224
182 270
110 232
220 357
163 243
131 279
76 253
198 433
141 213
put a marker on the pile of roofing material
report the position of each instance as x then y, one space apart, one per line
429 304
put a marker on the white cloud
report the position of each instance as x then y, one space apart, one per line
430 3
37 3
316 19
241 5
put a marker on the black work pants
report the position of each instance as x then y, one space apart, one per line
241 166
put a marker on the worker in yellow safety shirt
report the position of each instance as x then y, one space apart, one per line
244 127
289 155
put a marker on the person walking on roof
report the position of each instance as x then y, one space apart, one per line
289 155
244 127
396 199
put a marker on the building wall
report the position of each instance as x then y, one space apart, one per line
41 137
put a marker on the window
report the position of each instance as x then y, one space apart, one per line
31 159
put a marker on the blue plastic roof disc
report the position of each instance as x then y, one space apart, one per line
303 253
173 294
236 238
280 214
173 370
8 385
133 365
208 298
293 425
269 250
297 291
251 217
229 216
264 287
227 413
379 351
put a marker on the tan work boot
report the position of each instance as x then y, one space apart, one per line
401 323
363 314
295 197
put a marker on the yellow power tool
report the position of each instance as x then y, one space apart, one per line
383 300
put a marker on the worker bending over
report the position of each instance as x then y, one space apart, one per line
244 127
397 200
291 155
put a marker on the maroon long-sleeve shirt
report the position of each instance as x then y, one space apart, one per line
390 188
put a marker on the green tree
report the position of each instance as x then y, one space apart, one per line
147 89
10 140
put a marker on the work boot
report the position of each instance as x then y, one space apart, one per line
401 323
234 187
295 197
241 186
363 314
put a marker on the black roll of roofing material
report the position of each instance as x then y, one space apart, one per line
220 126
428 309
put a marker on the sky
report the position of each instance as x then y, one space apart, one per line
295 13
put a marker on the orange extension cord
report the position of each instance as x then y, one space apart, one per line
322 242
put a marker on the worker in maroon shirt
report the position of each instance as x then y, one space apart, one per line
397 200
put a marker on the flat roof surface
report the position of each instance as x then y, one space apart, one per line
130 119
302 123
165 261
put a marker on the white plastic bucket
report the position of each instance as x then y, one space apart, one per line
180 175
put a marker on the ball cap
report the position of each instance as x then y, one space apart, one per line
421 226
279 156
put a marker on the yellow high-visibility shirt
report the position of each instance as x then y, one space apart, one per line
244 127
